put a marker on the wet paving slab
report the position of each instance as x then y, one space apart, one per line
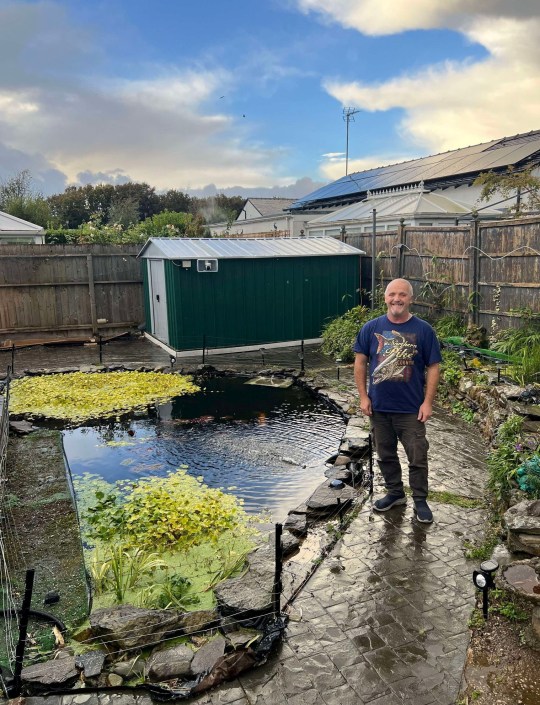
391 626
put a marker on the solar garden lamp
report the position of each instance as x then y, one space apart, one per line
336 486
463 356
483 579
338 362
500 365
172 359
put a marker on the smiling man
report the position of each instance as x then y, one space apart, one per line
403 356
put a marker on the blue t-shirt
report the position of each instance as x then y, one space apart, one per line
398 356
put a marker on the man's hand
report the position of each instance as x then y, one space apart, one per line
365 406
425 412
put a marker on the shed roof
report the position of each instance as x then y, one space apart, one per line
10 224
244 248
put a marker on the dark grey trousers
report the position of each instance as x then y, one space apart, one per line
387 430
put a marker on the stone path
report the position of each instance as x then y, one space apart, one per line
383 623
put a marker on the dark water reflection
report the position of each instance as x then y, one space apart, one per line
267 443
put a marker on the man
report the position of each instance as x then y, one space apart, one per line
403 356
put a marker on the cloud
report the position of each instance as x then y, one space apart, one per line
380 17
452 104
157 129
297 189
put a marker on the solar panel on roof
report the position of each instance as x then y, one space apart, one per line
449 165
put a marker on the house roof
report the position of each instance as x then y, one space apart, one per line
10 225
240 248
270 206
459 166
400 204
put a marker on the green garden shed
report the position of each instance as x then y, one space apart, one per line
240 293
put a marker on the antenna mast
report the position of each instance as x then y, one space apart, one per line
348 115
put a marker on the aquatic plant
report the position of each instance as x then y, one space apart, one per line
77 397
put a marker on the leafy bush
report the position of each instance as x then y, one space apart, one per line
161 542
451 369
527 371
340 333
506 456
513 341
450 325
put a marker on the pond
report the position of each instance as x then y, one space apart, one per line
264 444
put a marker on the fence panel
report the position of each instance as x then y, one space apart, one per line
61 291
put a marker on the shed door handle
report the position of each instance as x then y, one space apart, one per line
157 297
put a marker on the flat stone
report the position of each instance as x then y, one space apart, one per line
250 595
127 627
192 622
59 671
524 518
339 472
114 680
133 667
296 524
325 499
22 427
207 656
531 410
170 663
91 662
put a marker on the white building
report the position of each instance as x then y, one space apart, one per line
18 231
434 190
265 217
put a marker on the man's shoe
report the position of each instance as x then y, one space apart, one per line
389 501
422 511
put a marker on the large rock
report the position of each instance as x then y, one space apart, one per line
60 671
170 663
208 655
523 524
91 662
250 595
325 499
127 627
193 622
296 523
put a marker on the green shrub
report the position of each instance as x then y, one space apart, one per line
451 369
513 341
506 456
450 325
339 334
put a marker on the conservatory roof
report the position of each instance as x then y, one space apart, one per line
397 204
239 248
436 171
16 226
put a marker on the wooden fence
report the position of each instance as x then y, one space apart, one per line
489 270
68 291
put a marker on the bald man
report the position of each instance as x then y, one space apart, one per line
402 354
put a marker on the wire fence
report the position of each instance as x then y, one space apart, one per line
290 574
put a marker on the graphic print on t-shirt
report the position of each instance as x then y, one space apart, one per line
395 353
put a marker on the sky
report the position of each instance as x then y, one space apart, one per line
246 97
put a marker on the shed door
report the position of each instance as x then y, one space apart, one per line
158 299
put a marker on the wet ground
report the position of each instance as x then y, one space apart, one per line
383 623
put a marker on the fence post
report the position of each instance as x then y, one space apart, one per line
23 627
373 258
278 570
92 292
203 347
302 360
12 357
400 259
474 265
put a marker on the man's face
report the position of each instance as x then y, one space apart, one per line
398 299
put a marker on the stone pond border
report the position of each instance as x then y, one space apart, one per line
242 630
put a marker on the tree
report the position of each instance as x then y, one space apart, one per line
20 199
124 211
174 200
521 185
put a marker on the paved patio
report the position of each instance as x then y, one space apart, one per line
385 621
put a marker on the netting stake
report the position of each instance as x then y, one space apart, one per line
278 571
23 627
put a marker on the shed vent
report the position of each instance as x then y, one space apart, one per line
207 265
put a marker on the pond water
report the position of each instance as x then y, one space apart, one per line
265 442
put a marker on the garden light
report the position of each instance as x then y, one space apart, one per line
483 580
337 486
463 356
172 359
